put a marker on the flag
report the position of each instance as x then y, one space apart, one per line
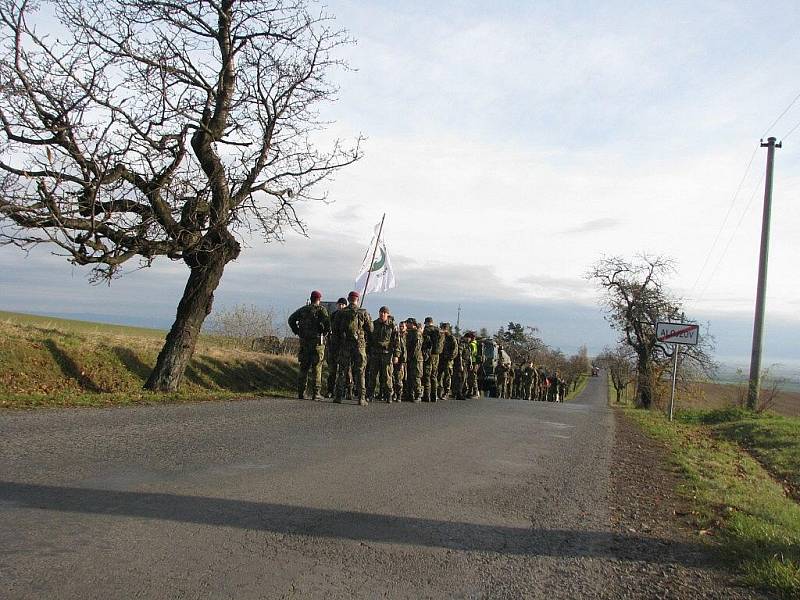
379 270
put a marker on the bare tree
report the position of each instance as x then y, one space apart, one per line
636 298
621 367
244 324
147 128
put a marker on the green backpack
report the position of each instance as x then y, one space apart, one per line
348 324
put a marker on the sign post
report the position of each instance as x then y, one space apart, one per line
676 334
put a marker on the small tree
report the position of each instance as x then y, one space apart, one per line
151 128
621 367
521 342
636 298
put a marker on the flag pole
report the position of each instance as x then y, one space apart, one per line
372 261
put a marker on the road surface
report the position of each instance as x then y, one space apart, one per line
277 498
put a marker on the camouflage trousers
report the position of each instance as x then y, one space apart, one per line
472 382
310 356
527 389
445 376
398 379
380 374
413 388
430 383
459 383
501 384
352 355
332 360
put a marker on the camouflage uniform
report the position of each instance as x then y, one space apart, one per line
351 328
383 346
400 365
472 373
517 391
459 380
414 373
501 372
529 382
312 324
552 388
446 358
431 348
332 359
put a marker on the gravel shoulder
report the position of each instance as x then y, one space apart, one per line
665 557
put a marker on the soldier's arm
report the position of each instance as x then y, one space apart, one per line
293 321
325 322
368 326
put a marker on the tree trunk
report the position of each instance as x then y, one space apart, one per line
207 266
645 383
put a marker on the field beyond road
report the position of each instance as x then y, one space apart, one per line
280 498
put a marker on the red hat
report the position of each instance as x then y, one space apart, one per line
315 295
353 294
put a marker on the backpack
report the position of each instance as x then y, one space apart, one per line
348 324
435 339
449 347
309 322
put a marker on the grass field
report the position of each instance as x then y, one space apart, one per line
57 362
741 475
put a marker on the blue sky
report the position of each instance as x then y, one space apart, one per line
511 146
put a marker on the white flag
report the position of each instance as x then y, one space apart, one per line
380 272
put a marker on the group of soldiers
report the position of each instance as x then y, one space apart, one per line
527 381
385 360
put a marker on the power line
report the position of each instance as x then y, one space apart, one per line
791 131
730 240
780 116
725 220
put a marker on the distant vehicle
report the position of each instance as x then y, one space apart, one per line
489 357
595 371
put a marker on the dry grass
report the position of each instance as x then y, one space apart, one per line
726 395
46 362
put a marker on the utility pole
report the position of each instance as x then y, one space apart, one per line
758 324
458 321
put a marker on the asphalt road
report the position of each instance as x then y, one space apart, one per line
278 498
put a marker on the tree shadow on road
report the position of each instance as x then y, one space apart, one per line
351 525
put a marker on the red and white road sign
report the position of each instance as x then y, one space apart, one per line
677 333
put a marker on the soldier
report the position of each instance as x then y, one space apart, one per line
400 359
432 342
530 378
562 390
517 392
351 327
446 358
414 356
311 323
332 353
472 373
383 345
501 372
459 380
552 387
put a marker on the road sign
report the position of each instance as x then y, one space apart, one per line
677 333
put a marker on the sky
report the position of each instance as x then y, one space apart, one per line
513 144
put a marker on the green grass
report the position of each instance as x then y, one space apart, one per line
737 504
773 440
79 326
46 362
582 381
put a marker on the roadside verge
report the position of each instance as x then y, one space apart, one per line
733 503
